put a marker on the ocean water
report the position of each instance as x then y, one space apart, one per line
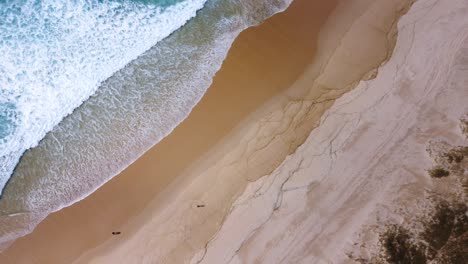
56 53
86 87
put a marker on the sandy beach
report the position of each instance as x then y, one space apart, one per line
368 164
273 163
262 62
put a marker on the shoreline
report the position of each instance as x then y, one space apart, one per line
109 209
241 139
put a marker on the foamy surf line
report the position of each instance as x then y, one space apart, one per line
133 110
55 54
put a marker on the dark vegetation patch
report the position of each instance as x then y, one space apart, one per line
456 155
439 236
452 163
444 238
455 251
438 172
398 246
448 222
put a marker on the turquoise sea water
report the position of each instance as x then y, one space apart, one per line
56 53
7 118
86 87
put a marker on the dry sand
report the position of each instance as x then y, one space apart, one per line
366 164
276 83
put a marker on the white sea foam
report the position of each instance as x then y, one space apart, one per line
56 53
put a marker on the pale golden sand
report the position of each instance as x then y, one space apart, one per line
229 139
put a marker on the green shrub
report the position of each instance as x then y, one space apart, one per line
398 247
438 172
456 154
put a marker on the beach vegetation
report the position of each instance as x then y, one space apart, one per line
444 238
447 223
438 172
456 155
454 252
398 246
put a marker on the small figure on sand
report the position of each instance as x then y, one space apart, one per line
116 233
200 205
